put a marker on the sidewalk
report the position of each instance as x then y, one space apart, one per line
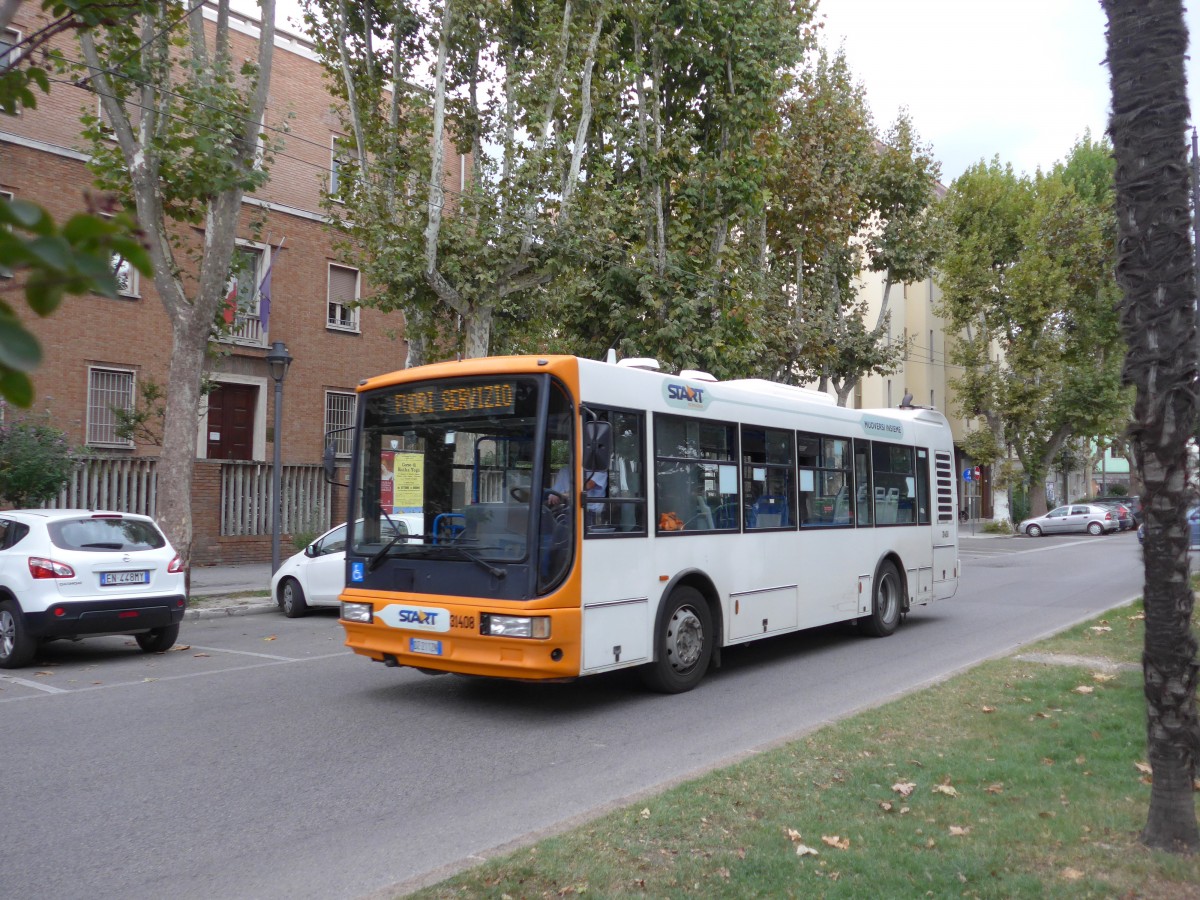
230 591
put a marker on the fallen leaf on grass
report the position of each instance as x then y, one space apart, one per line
723 872
959 830
805 850
793 835
1084 689
836 841
886 806
997 788
946 789
1072 874
904 788
1100 629
646 813
1102 677
1142 767
989 709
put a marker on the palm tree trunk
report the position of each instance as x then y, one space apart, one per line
1147 40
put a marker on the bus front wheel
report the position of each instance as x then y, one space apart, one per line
683 644
887 602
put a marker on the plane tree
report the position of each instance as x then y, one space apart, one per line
181 144
1027 289
844 199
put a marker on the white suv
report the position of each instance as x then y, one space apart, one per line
72 573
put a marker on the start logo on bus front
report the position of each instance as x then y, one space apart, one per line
414 618
686 396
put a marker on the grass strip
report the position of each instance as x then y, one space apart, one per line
1024 777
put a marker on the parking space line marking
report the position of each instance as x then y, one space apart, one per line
244 653
24 682
82 689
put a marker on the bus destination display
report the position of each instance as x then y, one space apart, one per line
443 400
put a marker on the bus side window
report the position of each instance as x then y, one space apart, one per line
621 510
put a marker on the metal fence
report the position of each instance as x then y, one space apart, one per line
121 484
246 499
130 485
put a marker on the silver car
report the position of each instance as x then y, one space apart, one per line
1077 517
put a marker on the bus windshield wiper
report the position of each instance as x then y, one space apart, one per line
479 561
382 552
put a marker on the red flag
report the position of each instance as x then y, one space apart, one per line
231 301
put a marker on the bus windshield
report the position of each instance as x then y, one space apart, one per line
454 461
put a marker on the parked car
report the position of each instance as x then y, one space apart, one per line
1193 521
1124 513
1075 517
74 573
1134 504
317 574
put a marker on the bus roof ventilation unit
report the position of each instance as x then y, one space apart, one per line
697 375
640 362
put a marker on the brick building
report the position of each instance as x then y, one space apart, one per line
97 351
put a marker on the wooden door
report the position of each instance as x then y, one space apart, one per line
231 421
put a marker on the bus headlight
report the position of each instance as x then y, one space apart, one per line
357 612
515 626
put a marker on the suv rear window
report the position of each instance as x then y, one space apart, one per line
106 534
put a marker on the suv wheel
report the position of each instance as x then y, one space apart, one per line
17 646
158 640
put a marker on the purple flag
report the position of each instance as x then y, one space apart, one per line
264 298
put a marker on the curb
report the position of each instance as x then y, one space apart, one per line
219 612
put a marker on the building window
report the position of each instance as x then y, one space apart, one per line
338 161
339 416
240 308
343 293
8 40
109 390
6 196
127 276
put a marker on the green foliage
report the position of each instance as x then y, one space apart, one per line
35 463
55 260
654 245
843 198
1028 270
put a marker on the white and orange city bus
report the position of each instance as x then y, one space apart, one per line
580 516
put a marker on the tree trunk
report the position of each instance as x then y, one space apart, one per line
1147 41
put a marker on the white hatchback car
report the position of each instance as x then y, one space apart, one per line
74 573
317 574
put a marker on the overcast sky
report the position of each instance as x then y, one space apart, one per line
1020 78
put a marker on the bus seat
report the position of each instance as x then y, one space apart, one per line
769 511
448 526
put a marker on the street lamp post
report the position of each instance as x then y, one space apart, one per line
278 360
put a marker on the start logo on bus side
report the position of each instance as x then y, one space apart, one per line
685 396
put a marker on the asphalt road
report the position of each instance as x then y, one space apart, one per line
266 761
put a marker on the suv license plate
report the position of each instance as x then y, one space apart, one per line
111 578
420 645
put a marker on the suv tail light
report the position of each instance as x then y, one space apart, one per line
48 568
176 565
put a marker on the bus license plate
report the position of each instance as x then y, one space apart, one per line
111 578
420 645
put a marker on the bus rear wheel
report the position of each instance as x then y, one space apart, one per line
683 644
887 602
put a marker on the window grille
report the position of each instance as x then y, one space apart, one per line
109 390
339 413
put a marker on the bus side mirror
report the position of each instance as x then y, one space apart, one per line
327 462
597 445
